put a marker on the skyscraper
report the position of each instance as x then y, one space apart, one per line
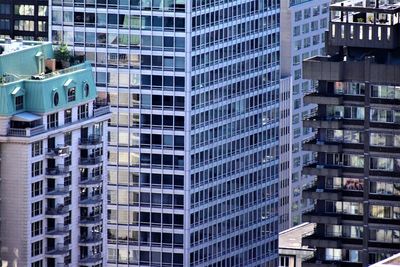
193 161
357 144
26 19
53 160
302 36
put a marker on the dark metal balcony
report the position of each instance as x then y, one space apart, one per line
90 200
334 69
322 170
317 122
91 239
91 220
91 160
323 99
92 140
90 260
61 210
316 240
59 190
60 151
59 249
322 146
323 218
60 170
323 194
91 181
58 230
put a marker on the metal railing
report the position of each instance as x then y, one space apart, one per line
90 161
27 131
93 139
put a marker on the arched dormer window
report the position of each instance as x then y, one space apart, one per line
18 97
70 89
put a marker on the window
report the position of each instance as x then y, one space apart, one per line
42 11
68 138
37 228
37 188
83 111
37 248
52 121
71 94
37 208
37 264
37 148
19 102
24 25
67 116
37 168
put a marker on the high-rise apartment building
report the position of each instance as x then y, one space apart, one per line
302 36
357 143
193 159
53 159
26 19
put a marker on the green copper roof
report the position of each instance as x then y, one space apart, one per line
21 77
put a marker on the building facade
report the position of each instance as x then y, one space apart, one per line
357 143
53 160
26 19
193 152
302 36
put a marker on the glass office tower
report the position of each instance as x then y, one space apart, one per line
193 141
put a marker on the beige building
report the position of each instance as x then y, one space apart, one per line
291 251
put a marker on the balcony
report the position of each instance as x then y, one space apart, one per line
322 170
318 263
91 181
90 201
60 170
90 161
320 241
27 132
58 230
322 194
322 218
335 69
322 146
59 250
61 210
58 190
317 122
91 220
92 140
100 109
323 99
59 151
92 239
90 260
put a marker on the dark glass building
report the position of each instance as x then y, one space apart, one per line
27 19
357 143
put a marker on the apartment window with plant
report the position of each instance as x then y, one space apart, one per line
52 120
37 168
37 148
37 248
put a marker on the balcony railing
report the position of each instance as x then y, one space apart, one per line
60 210
91 259
58 151
101 110
27 132
91 219
59 229
90 200
58 170
91 238
91 180
93 139
58 249
57 190
90 161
